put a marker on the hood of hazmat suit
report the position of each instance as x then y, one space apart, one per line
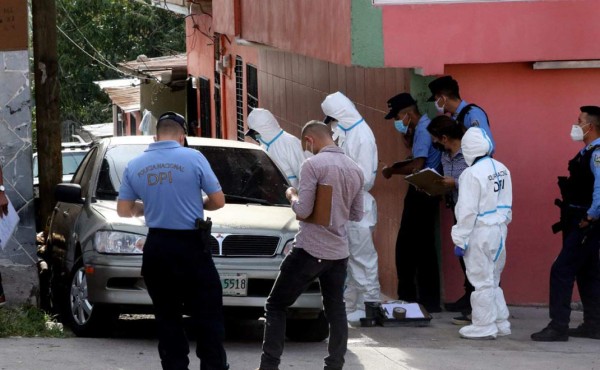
284 148
357 140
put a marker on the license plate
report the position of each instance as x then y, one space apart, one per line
234 284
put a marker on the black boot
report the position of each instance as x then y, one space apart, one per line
550 334
585 331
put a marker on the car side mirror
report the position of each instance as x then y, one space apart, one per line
68 193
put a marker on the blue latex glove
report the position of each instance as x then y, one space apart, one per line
458 251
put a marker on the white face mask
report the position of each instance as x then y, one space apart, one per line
309 152
577 133
439 108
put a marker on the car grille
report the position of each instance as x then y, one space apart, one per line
245 246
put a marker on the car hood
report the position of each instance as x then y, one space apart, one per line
251 218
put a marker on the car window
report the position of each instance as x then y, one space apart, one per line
247 173
243 173
84 171
70 162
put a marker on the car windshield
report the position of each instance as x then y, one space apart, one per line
70 162
246 175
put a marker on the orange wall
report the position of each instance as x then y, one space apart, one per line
431 36
201 63
531 114
292 87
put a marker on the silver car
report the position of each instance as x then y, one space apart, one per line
96 256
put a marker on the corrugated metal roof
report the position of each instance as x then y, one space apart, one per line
125 93
144 64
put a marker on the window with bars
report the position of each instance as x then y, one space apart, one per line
251 88
239 97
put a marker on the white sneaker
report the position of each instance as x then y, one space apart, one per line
479 332
503 328
355 316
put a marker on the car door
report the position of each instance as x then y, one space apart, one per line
62 236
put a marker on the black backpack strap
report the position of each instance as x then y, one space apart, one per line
463 113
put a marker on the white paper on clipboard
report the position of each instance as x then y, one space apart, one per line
8 224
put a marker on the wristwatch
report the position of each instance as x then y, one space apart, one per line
2 188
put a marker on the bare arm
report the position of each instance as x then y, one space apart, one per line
130 208
214 201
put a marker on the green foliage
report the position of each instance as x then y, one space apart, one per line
112 31
27 321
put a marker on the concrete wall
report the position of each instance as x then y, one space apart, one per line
18 259
433 35
158 98
292 87
531 114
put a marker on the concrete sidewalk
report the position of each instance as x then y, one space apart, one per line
429 348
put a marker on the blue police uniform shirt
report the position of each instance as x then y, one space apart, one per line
422 147
476 117
169 179
594 210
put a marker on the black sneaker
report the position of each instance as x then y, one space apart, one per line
462 304
464 319
585 331
550 334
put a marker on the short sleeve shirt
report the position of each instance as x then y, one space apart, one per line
422 146
170 180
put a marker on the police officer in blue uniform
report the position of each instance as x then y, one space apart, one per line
416 254
446 97
578 259
177 265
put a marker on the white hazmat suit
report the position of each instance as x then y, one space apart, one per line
285 149
483 211
357 140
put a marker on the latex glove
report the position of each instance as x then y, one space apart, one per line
458 251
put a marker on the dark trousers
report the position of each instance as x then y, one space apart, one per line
416 255
182 279
578 261
298 270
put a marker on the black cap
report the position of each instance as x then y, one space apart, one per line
399 102
445 83
328 119
251 133
175 117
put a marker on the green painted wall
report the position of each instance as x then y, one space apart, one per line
420 91
367 34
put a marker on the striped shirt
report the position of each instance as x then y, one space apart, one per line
454 167
332 167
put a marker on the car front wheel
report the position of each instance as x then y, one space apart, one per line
85 318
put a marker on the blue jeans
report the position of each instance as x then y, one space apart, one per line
298 270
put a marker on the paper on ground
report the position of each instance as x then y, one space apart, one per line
413 311
8 224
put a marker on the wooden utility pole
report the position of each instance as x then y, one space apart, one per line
45 66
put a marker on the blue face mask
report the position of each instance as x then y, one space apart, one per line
400 126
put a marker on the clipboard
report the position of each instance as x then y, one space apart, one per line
428 180
321 214
8 224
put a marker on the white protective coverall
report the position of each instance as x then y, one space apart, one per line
357 140
483 211
285 149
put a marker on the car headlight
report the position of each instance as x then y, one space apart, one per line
287 248
114 242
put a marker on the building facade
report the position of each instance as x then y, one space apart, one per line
529 64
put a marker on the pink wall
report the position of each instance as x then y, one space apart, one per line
531 113
431 36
